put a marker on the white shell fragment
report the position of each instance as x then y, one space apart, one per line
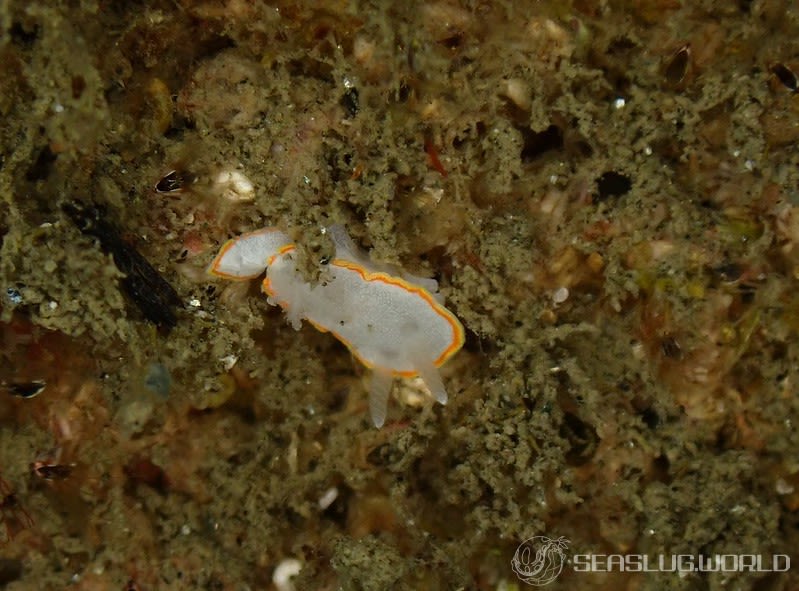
560 295
395 325
287 569
328 498
234 186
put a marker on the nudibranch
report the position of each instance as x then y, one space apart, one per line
396 325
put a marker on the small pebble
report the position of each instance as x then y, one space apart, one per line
783 488
229 361
561 295
14 296
284 572
158 380
327 499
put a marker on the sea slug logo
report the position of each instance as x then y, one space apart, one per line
539 560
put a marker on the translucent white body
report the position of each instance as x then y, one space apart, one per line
394 325
246 256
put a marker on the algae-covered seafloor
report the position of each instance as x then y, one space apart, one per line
606 192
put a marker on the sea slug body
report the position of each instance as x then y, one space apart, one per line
243 257
395 325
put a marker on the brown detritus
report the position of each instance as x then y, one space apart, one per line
671 347
144 471
581 436
569 269
780 128
13 515
59 363
10 570
371 514
235 109
432 217
349 100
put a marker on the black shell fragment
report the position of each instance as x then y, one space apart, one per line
25 389
143 284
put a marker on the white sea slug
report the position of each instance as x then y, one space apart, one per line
395 325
